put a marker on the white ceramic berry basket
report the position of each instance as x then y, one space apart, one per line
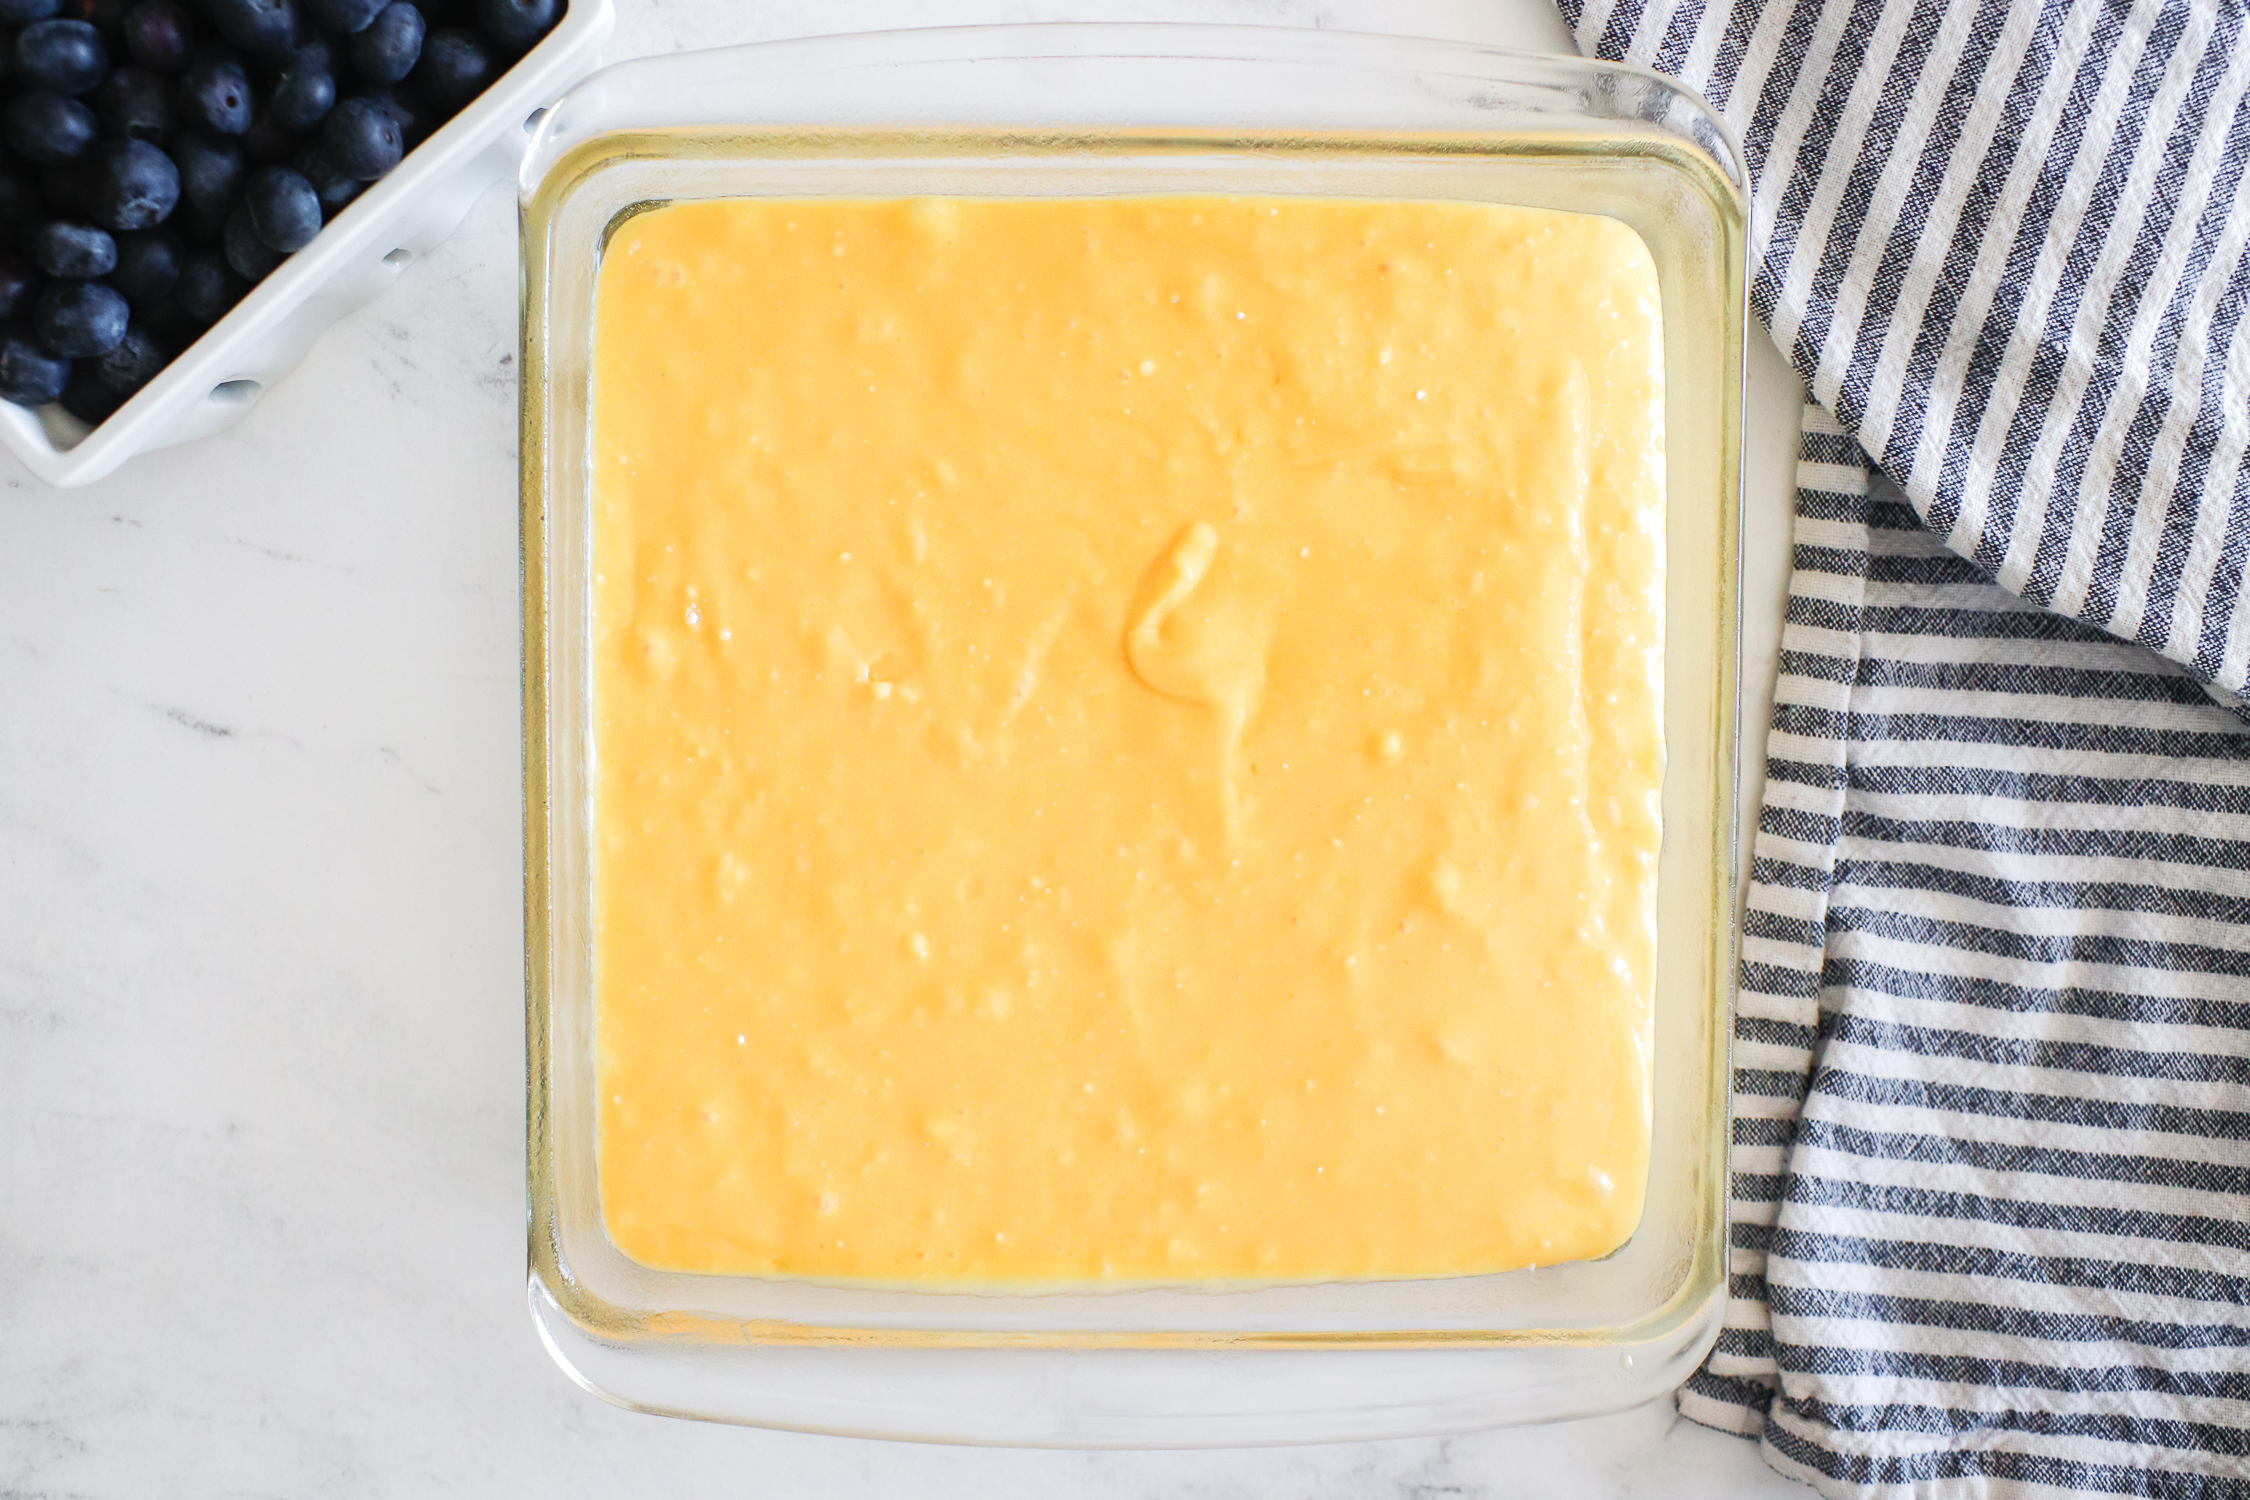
214 383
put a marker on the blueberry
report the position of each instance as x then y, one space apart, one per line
148 264
262 28
158 34
65 249
516 24
303 94
333 187
362 139
17 284
66 56
215 96
133 363
410 110
454 68
29 375
388 49
24 12
135 104
284 210
131 185
338 191
85 397
344 17
77 318
208 287
266 142
49 129
211 171
251 258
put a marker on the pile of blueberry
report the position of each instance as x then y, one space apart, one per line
163 155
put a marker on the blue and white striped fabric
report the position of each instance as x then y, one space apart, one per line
1992 1143
1991 1218
2003 241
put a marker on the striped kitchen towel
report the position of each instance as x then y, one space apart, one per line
1991 1197
1992 1146
2003 241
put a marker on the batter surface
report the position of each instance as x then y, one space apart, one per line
1127 737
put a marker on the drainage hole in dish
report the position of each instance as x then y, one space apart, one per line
237 391
531 121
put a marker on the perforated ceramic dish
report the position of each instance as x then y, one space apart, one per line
354 260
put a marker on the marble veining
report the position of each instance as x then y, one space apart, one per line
261 1044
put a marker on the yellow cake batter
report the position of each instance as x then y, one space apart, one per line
1127 737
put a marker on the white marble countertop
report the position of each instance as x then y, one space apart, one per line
261 1043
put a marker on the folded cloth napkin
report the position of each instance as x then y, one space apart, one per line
1991 1203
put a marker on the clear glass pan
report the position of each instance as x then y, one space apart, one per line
1087 110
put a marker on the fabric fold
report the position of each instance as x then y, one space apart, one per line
2003 242
1990 1218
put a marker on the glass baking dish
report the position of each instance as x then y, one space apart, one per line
1101 110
